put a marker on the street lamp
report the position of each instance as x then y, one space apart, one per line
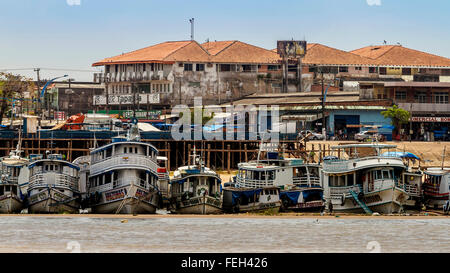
41 95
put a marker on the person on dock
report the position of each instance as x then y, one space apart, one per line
330 207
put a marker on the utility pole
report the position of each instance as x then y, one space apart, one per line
324 127
38 83
299 74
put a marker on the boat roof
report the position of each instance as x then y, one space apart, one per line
120 143
185 170
12 161
437 171
275 163
365 145
67 163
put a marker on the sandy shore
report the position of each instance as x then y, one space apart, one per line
430 215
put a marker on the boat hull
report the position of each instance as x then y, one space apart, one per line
10 204
260 207
118 201
131 205
387 201
52 201
201 205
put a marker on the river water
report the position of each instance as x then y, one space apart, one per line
170 234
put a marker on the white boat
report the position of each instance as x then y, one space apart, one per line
366 181
436 187
54 185
195 189
299 183
123 176
12 195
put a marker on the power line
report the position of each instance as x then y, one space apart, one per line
51 69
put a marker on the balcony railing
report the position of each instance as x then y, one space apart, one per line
253 183
303 181
128 160
425 107
128 76
61 180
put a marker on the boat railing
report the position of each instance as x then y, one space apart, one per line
133 181
61 180
10 180
337 192
124 160
253 183
303 181
412 190
343 165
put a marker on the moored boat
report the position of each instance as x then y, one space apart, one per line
298 183
195 189
123 176
436 187
12 196
366 181
53 186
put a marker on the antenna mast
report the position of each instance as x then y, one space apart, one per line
192 28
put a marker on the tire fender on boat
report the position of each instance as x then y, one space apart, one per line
343 199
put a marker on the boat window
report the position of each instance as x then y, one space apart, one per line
386 174
136 150
350 179
6 188
271 175
46 167
378 174
124 150
56 167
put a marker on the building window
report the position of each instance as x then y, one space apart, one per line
383 71
406 71
441 97
225 67
272 67
373 69
400 95
187 67
420 97
247 68
358 68
200 67
343 68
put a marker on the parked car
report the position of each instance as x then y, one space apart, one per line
364 135
314 135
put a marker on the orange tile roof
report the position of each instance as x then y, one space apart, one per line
163 52
215 47
323 55
402 56
239 52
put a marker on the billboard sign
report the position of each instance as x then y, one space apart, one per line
127 99
291 49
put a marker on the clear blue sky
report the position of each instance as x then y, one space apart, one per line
54 34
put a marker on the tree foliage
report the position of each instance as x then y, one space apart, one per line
12 87
397 115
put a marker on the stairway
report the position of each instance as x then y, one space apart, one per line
360 203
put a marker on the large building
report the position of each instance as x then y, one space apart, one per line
171 73
175 72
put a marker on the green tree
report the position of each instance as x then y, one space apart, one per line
398 117
12 87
